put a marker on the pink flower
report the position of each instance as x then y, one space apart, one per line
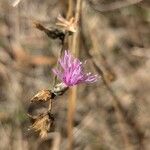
72 71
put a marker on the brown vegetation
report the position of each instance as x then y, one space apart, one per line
112 114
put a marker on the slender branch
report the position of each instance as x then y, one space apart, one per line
112 6
70 9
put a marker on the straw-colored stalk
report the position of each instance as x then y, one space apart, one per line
73 92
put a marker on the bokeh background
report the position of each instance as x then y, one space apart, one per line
117 35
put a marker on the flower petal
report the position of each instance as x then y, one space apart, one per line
72 71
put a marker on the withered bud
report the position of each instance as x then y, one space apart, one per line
43 124
43 95
53 33
60 89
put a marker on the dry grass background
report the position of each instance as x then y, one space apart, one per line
116 40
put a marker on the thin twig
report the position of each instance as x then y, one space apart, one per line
121 112
70 9
112 6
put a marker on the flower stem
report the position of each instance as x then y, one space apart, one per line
73 93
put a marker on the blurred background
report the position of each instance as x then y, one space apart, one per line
116 33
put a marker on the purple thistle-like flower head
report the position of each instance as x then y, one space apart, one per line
72 71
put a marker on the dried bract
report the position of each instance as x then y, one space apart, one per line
60 89
68 25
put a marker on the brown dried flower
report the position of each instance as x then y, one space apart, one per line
43 95
43 124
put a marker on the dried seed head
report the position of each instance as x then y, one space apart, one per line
43 124
43 95
40 103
